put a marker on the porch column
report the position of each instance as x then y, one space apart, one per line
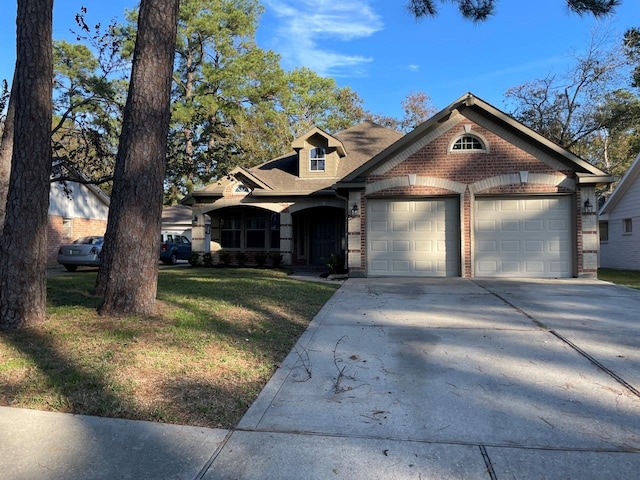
589 243
355 255
198 234
286 237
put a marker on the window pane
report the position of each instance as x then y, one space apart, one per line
230 239
604 231
468 142
255 231
230 229
316 159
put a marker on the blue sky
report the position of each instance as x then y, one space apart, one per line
380 51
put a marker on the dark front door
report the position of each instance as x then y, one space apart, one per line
323 239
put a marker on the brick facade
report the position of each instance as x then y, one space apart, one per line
435 170
58 234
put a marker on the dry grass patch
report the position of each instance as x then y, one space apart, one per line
215 340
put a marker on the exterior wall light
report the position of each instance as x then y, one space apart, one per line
588 208
354 211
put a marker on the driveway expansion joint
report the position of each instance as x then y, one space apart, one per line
606 370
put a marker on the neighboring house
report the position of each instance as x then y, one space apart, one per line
619 217
471 192
177 218
75 210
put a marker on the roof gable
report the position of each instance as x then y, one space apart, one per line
477 110
332 142
628 180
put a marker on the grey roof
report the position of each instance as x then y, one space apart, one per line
176 214
361 142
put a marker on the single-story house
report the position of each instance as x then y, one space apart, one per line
177 218
471 192
619 244
75 210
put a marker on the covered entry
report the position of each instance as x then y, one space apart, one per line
318 234
413 237
523 237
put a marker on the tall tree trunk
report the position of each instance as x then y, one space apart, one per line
24 238
6 150
129 266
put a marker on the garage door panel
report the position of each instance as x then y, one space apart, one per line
487 225
534 225
424 246
509 225
510 246
400 207
534 267
401 246
533 238
418 237
400 226
424 226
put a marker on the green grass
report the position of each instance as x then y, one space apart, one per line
628 278
216 338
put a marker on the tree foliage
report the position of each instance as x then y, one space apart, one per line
480 10
586 109
232 102
566 107
632 50
88 103
418 108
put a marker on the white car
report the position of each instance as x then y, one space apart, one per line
82 252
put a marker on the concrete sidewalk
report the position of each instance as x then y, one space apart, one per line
399 379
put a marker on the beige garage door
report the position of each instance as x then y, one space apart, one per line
523 237
413 238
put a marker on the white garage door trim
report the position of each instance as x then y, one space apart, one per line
520 236
417 238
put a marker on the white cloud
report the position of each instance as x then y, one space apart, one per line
306 26
413 67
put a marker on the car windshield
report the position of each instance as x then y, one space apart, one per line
90 240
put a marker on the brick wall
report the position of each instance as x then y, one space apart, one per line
462 172
79 227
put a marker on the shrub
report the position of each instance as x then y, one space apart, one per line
241 258
261 259
207 259
276 259
194 259
225 257
336 263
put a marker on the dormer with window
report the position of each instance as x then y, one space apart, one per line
317 159
319 154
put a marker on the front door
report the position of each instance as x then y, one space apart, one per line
323 239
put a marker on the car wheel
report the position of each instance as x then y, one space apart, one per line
71 268
174 258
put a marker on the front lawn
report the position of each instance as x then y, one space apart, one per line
216 338
628 278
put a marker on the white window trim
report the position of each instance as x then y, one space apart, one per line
324 160
475 135
625 222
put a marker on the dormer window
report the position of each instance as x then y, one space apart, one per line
317 159
468 142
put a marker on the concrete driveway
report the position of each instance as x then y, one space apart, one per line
452 378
